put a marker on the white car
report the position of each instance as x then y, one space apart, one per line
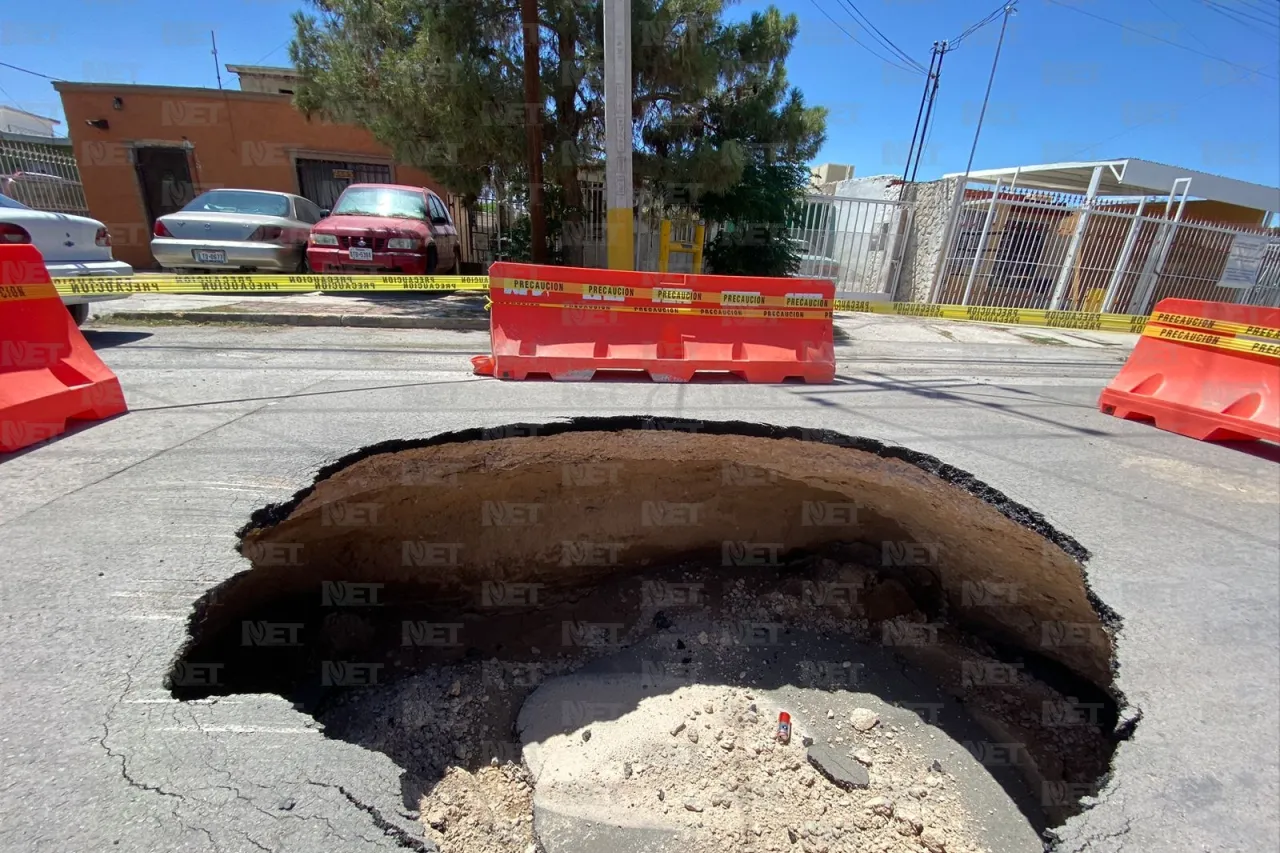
71 245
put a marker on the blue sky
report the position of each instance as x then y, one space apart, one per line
1068 87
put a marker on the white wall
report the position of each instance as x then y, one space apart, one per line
15 121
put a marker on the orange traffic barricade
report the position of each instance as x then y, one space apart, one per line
569 323
1206 370
48 372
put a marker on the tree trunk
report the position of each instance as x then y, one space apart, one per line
533 129
569 160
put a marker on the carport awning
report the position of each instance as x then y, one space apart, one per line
1133 178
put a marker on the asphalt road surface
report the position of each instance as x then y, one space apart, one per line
110 533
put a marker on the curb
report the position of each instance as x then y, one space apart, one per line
375 321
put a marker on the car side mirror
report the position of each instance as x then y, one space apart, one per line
439 220
324 211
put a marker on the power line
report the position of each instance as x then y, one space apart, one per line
1240 17
1159 39
955 42
29 71
1206 93
982 113
1190 32
881 37
273 50
860 44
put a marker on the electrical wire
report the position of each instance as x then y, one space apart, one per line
860 44
994 16
1191 32
1159 39
882 38
29 71
1240 17
1137 124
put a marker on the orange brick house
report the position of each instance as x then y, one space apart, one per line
144 151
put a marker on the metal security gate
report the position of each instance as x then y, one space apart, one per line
41 174
1049 250
322 181
855 242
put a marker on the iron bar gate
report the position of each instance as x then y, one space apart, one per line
855 242
1021 248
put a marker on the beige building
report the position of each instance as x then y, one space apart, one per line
268 79
825 176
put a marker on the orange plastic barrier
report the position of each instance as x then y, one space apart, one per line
568 323
48 372
1206 370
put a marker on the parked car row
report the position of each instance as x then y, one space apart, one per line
373 228
71 246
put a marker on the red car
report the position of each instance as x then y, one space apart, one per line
385 228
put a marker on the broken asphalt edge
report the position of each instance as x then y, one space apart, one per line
365 321
1129 715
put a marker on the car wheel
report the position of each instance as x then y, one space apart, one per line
432 260
79 313
304 268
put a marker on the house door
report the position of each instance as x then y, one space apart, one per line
322 181
164 174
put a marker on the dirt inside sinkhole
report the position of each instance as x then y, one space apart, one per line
417 593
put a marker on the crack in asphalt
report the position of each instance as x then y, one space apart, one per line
402 838
120 756
389 830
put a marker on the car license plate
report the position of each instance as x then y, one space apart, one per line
210 256
358 254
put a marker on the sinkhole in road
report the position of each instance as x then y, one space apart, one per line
486 562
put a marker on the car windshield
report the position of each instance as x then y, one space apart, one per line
381 201
5 201
240 201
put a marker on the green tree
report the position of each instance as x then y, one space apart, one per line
440 83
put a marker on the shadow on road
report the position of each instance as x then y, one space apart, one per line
103 339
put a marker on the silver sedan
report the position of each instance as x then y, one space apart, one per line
231 230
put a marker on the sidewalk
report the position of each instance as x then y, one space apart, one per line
464 311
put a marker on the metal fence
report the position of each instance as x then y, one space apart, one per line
855 242
40 174
1034 249
493 217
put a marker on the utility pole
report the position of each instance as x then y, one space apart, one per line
618 132
1008 12
217 69
933 57
533 129
928 113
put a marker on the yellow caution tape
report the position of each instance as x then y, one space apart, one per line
1208 324
231 284
1015 316
1188 336
759 313
22 292
600 296
665 294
